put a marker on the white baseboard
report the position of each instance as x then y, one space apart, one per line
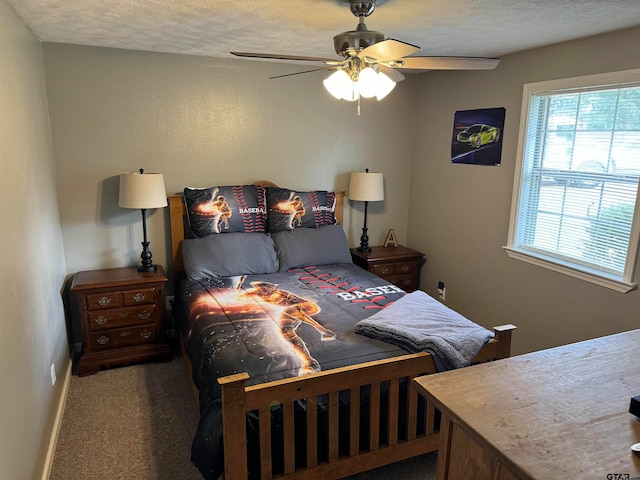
57 424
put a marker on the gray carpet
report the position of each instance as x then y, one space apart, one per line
137 422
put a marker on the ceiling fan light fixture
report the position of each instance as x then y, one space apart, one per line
369 84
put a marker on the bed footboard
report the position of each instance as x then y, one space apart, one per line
393 376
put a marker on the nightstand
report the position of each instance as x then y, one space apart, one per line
398 265
120 314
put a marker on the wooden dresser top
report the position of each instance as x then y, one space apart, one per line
554 414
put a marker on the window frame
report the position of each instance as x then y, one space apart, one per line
623 283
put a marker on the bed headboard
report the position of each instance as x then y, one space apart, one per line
179 224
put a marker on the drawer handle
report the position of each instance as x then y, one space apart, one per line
385 270
145 333
138 297
125 333
102 301
144 315
123 314
404 268
101 320
406 282
102 340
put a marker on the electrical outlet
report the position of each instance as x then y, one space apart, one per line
168 302
53 374
441 291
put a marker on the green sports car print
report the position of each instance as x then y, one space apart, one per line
479 134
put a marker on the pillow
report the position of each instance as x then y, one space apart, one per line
229 255
226 209
288 209
311 246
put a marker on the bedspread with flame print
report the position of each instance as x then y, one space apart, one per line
275 326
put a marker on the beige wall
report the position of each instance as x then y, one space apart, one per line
32 258
459 214
204 122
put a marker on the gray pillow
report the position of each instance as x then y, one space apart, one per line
303 247
229 255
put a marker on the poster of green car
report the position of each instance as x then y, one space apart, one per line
477 136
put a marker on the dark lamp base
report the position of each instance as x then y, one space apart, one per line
147 268
364 239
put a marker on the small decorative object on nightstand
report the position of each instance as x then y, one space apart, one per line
399 265
391 239
121 317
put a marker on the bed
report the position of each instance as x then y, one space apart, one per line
285 386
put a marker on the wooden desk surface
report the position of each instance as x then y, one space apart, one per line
561 413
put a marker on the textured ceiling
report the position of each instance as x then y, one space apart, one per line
306 27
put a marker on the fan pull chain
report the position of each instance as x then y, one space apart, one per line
358 106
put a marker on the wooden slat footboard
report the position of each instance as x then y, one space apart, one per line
392 375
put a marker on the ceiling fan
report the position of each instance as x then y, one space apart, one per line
371 60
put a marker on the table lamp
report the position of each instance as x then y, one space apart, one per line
365 187
143 191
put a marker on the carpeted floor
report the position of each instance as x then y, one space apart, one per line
137 422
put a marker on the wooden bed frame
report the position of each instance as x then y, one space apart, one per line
393 374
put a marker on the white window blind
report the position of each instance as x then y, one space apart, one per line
575 195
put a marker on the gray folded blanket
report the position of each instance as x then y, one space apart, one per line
418 323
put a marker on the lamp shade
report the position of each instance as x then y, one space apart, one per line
385 85
368 82
340 85
366 186
142 190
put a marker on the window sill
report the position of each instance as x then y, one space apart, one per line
613 283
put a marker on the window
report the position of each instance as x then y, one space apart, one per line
575 200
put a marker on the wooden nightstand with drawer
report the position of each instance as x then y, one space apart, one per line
121 317
399 265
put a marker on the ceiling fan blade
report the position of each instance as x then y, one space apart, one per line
392 73
305 71
449 63
328 61
388 50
